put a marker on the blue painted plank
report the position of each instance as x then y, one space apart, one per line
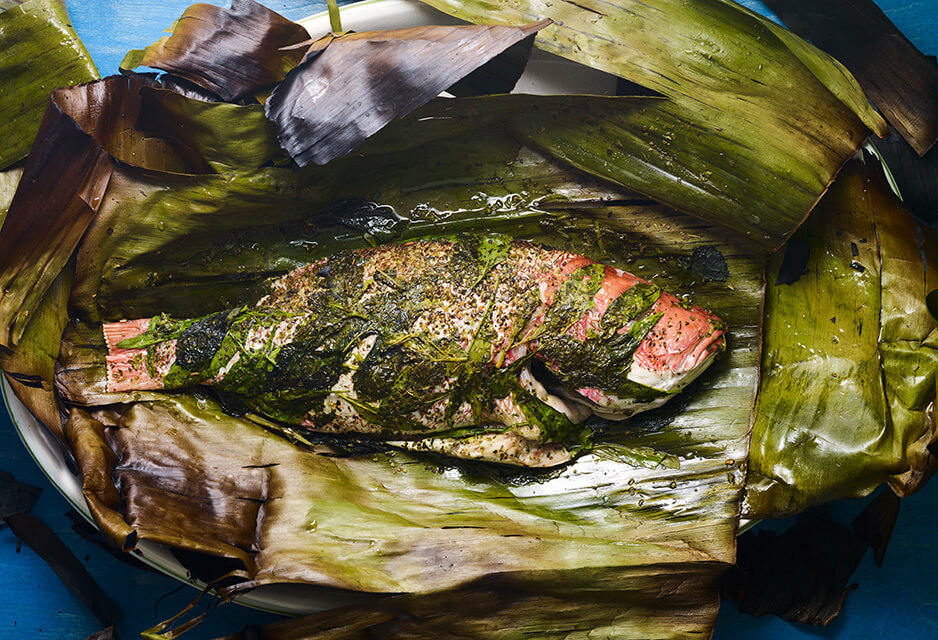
898 600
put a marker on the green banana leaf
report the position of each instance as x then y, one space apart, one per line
9 179
227 139
40 52
756 124
849 361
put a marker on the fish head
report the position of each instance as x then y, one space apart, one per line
635 348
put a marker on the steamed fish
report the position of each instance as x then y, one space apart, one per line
477 347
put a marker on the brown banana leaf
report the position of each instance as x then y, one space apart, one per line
40 52
373 78
232 52
554 606
86 132
850 356
748 100
900 80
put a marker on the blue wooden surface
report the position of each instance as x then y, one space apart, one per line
898 600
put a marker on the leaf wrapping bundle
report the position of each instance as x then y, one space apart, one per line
191 239
849 362
168 216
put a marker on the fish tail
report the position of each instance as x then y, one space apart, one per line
127 369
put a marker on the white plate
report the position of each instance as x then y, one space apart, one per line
545 74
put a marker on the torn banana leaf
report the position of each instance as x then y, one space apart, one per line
374 77
40 52
850 354
900 80
233 53
746 99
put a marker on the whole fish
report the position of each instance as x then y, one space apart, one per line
476 346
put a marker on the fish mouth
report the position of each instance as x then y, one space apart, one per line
540 382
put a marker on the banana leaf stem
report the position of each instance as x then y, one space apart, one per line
335 20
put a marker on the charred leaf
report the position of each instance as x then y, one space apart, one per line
351 86
231 52
800 575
